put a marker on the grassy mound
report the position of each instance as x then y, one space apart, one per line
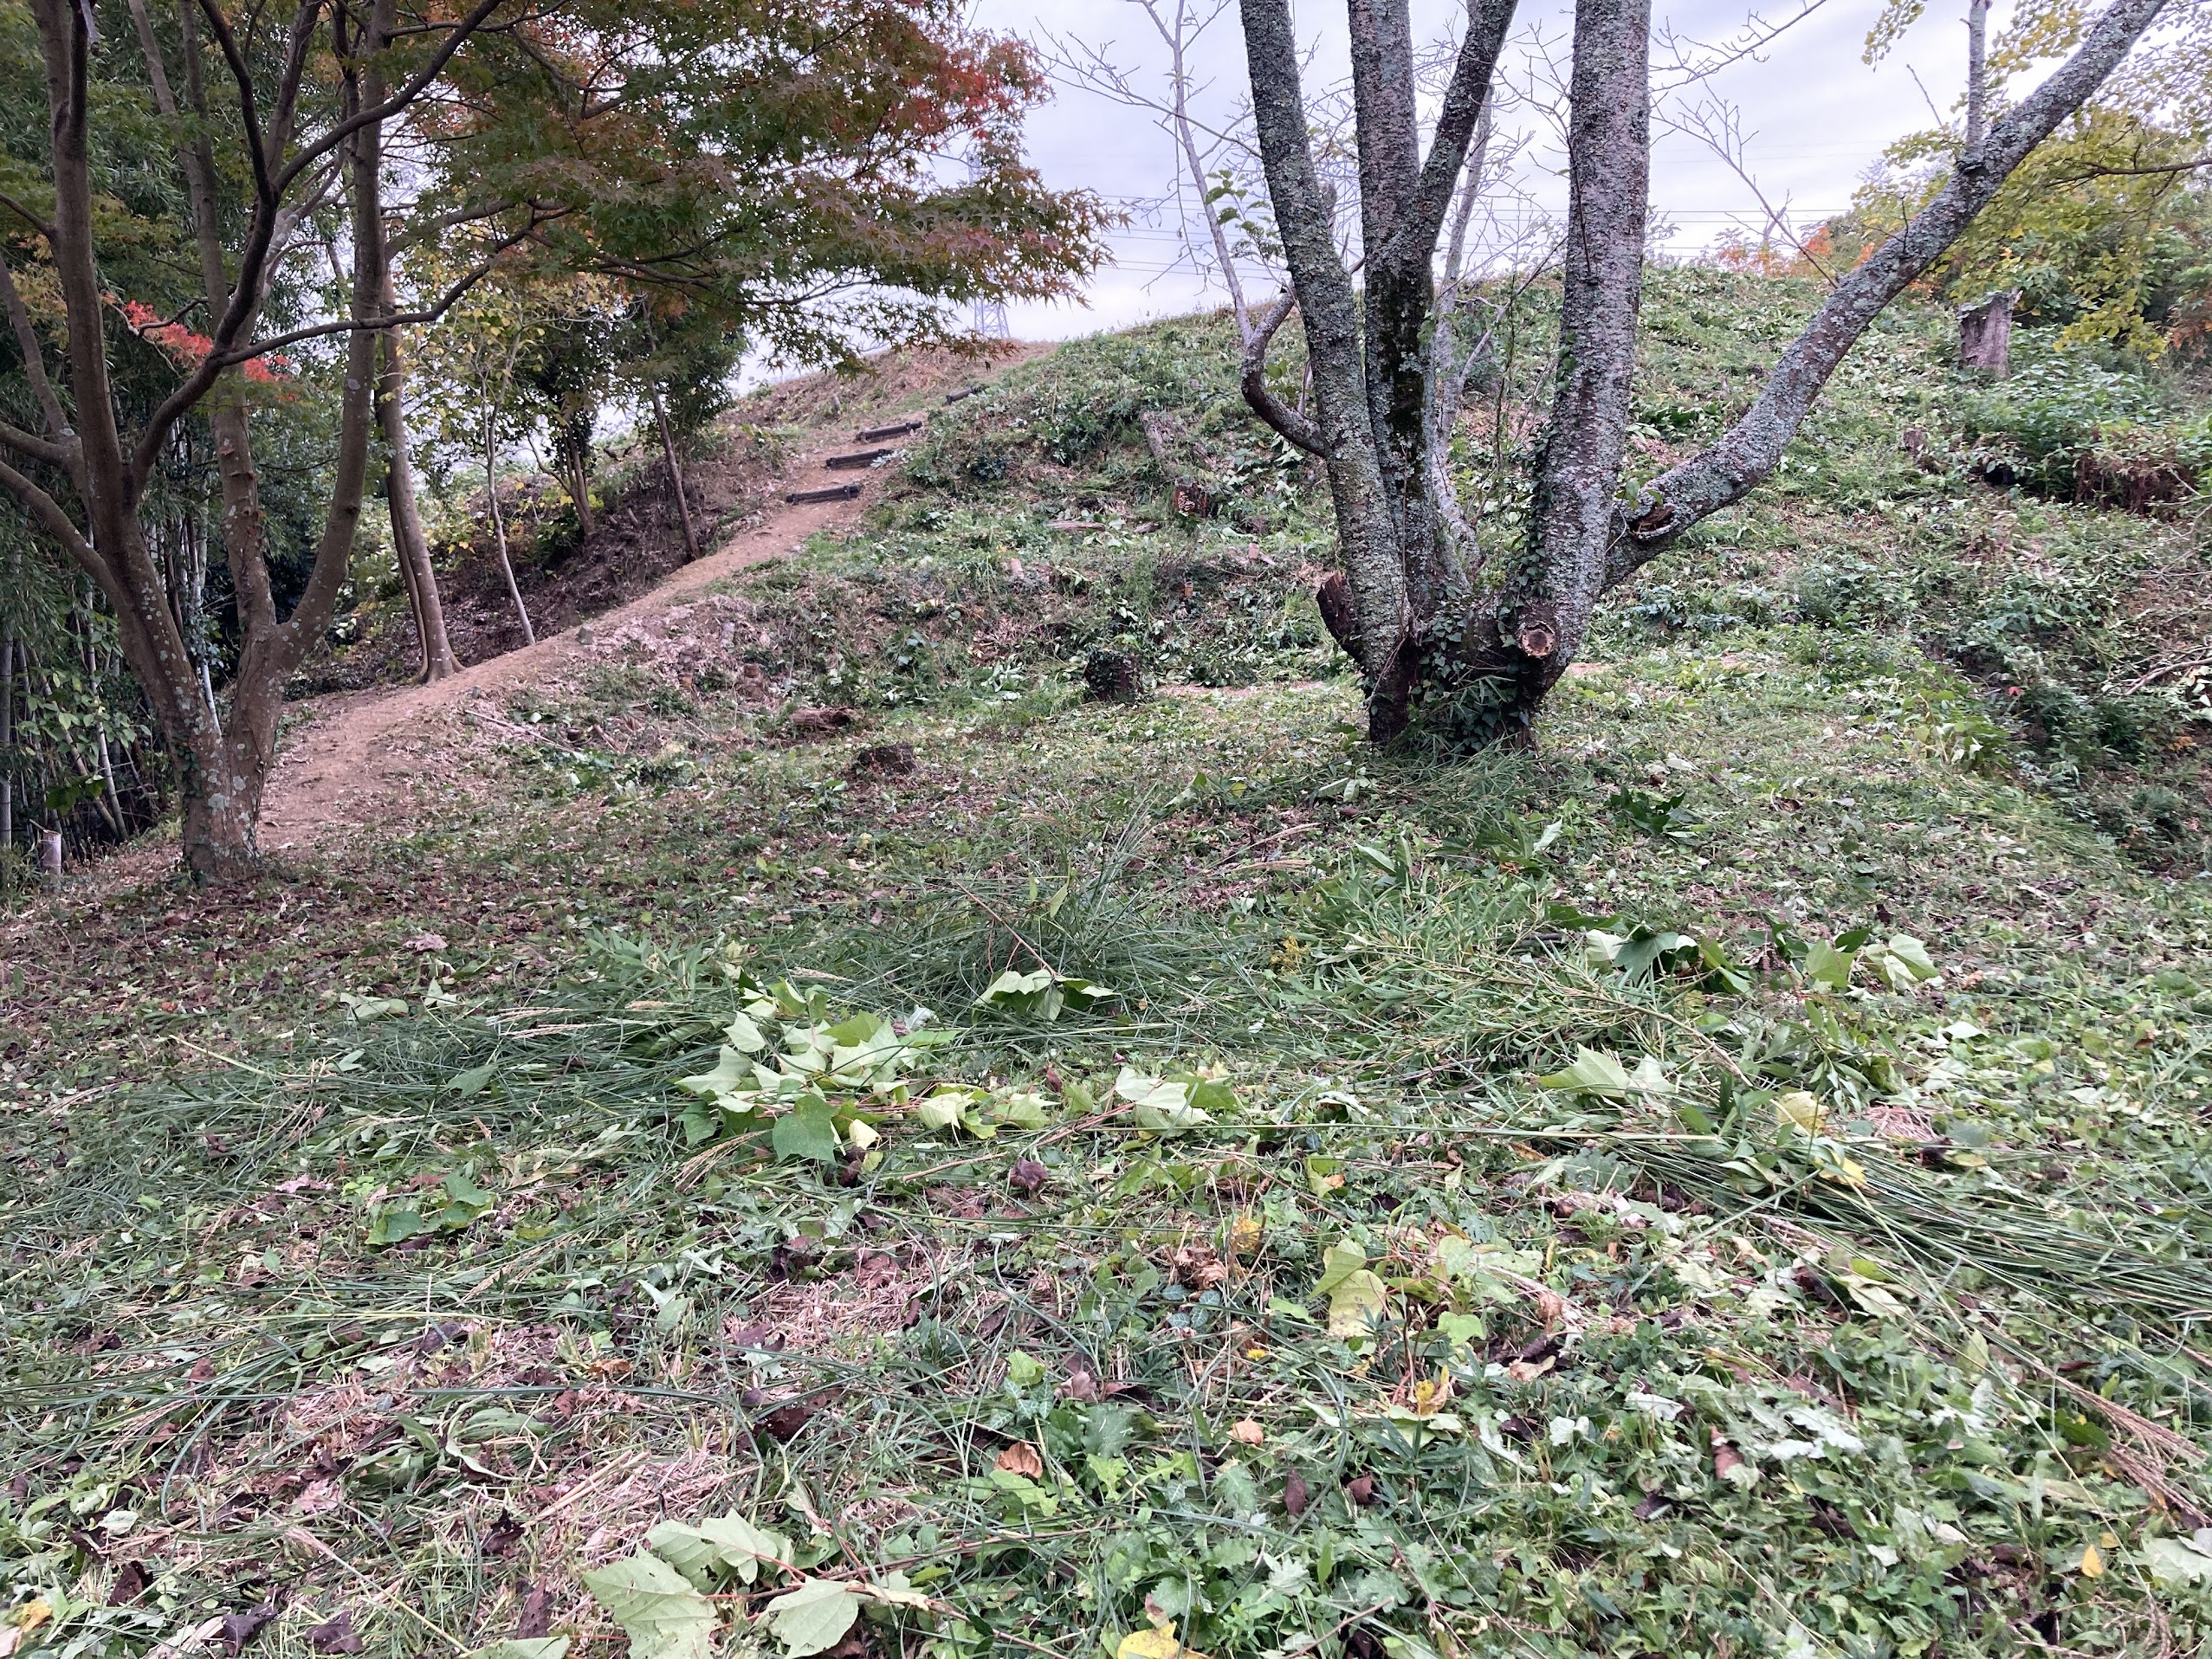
1012 1173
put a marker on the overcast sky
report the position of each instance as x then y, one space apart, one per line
1814 115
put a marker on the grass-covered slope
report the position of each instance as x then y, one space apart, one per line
1732 1182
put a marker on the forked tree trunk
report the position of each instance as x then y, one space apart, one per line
1471 647
1370 384
222 763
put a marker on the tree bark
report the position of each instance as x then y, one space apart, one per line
1746 454
1370 383
1977 75
1985 334
1540 624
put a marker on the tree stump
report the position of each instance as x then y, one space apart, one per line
1114 677
1985 335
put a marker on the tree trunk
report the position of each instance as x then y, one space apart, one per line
7 740
499 524
108 472
1473 654
1977 77
1401 574
1540 622
1985 335
676 480
220 815
410 544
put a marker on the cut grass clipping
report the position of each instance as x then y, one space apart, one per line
711 1308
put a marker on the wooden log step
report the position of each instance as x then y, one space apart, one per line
865 458
876 433
834 492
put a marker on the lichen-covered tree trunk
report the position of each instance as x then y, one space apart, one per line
1466 640
1370 375
1537 621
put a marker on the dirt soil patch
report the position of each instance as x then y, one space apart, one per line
359 755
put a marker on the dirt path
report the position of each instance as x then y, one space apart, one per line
359 756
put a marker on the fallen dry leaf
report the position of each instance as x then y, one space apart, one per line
1361 1489
536 1618
336 1633
1243 1429
1020 1458
1726 1459
1028 1176
782 1425
1081 1385
1294 1494
238 1628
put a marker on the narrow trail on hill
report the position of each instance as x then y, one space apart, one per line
354 758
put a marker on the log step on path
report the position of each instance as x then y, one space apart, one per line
865 458
876 434
834 492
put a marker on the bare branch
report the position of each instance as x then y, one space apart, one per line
386 108
1259 394
431 314
2095 173
1749 452
37 448
42 226
1694 60
424 229
55 522
249 105
1720 128
27 342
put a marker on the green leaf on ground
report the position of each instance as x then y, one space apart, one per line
701 1550
808 1130
664 1615
813 1617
